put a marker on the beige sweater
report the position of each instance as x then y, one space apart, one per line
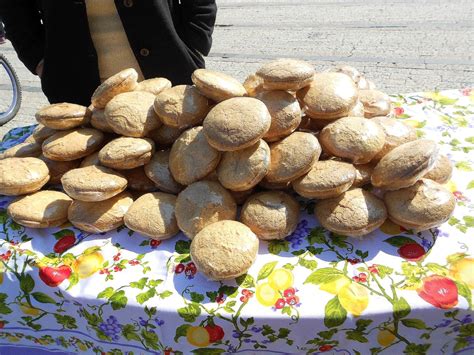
110 40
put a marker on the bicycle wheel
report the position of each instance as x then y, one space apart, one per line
16 101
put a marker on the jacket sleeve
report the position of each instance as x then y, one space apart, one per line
199 18
24 29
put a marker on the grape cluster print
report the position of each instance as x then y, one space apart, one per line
111 328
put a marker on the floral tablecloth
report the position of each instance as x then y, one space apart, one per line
314 292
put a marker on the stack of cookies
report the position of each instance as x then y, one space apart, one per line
163 159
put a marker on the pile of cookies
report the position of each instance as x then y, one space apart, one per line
163 159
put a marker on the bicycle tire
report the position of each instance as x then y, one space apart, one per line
17 94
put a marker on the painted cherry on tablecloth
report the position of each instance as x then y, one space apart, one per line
64 243
54 276
439 291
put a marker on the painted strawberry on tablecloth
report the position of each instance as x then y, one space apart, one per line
439 291
54 276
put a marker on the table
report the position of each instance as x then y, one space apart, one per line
394 292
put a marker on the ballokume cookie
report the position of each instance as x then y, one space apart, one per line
126 152
241 196
351 72
357 110
441 171
42 209
22 150
330 96
153 215
93 183
216 85
424 205
376 103
286 74
39 134
363 174
326 179
158 171
72 145
191 157
355 213
243 169
253 84
165 136
92 159
138 181
154 86
100 216
292 157
123 81
19 176
224 250
271 215
181 106
405 164
62 116
131 114
396 133
284 111
203 203
99 122
354 138
236 123
58 168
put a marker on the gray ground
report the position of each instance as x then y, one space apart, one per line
402 45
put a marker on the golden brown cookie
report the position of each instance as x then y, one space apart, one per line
354 138
123 81
309 124
396 133
241 196
58 168
19 176
203 203
357 110
42 209
286 74
424 205
92 159
253 84
153 215
284 111
153 86
127 152
265 184
158 171
100 216
131 114
363 174
271 214
354 213
99 122
350 71
224 250
72 145
165 136
236 123
93 183
376 103
216 85
405 164
40 133
330 96
441 171
62 116
22 150
181 106
243 169
326 179
138 181
191 157
292 157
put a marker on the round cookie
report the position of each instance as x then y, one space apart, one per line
424 205
355 138
99 216
191 157
40 133
19 176
241 196
330 96
396 133
158 171
363 174
165 136
253 84
131 114
351 72
312 125
72 145
405 164
153 86
224 250
441 171
138 181
265 184
22 150
58 168
376 103
153 215
243 169
355 213
93 183
123 81
126 152
203 203
271 214
62 116
92 159
286 74
181 106
42 209
326 179
284 111
236 123
99 121
292 157
216 85
357 110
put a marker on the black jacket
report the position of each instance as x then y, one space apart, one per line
168 38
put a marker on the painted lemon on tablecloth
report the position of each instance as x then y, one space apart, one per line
354 298
266 294
335 286
280 279
88 264
385 337
463 270
198 336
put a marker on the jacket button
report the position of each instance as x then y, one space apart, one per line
128 3
145 52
